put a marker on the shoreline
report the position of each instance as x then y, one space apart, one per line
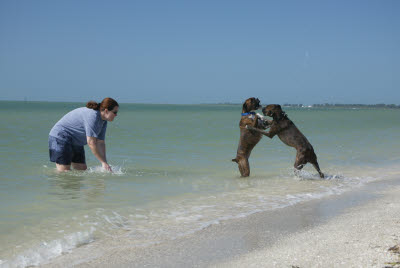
309 234
362 235
366 235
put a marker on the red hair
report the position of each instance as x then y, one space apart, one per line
107 103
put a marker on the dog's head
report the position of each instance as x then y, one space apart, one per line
251 104
273 110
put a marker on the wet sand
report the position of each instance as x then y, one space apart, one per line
355 229
365 235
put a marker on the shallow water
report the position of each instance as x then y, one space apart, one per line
173 173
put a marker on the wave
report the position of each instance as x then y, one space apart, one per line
179 216
46 251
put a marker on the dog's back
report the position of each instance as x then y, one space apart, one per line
289 134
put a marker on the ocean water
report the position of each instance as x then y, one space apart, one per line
173 173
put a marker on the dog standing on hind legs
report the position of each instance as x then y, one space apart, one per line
289 134
248 139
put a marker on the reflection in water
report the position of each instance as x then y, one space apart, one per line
86 185
96 190
77 185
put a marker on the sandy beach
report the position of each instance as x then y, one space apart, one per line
362 236
355 229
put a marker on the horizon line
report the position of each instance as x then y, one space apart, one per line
214 103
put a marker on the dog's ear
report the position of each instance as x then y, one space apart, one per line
244 108
278 112
277 108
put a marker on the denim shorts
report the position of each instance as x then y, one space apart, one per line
63 152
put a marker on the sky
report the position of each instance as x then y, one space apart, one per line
189 52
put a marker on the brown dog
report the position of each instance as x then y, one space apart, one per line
289 134
248 139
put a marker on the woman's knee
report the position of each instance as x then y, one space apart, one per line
61 167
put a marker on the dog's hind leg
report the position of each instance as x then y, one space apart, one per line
316 166
297 169
299 163
244 166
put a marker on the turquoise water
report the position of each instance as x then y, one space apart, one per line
173 173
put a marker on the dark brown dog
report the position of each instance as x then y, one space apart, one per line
289 134
248 139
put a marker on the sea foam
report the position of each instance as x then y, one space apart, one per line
46 251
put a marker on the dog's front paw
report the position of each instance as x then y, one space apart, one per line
251 128
260 116
266 124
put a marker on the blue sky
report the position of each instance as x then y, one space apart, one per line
201 51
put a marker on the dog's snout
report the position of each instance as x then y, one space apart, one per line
264 110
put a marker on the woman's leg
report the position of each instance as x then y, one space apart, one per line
78 158
60 153
63 167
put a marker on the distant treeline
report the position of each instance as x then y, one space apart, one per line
328 105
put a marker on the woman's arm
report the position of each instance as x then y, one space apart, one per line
98 148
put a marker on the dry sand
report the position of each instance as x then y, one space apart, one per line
361 237
355 229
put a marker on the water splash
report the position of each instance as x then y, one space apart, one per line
116 170
98 170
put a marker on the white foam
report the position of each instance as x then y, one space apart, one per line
48 250
97 170
116 170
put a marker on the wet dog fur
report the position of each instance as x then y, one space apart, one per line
248 139
289 134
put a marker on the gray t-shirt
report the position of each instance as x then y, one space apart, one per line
76 125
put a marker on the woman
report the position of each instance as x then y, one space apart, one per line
86 125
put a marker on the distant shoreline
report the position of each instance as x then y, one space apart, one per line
329 105
324 105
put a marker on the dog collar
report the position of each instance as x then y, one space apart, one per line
252 113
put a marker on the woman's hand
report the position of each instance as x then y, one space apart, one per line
107 167
98 148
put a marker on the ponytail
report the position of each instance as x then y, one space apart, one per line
107 103
93 105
